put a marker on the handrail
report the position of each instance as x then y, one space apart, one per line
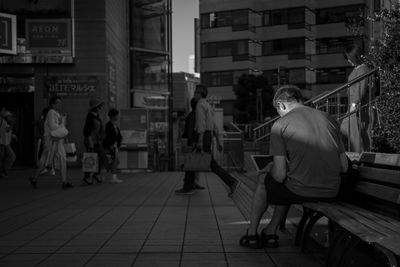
325 95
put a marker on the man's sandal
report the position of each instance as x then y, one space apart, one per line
251 241
269 241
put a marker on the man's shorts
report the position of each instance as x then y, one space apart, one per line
279 194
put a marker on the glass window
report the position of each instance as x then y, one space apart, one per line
284 46
220 78
240 17
224 19
149 71
296 16
333 75
297 76
278 17
336 45
338 14
147 20
224 49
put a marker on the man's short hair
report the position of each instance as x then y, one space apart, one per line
202 89
288 93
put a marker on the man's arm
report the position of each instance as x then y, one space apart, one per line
278 170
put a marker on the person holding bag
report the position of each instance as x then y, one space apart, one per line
112 143
93 132
53 144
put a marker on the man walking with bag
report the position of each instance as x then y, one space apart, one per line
206 129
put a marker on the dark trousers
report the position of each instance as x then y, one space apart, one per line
215 168
189 180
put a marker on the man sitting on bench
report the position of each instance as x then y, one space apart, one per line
308 156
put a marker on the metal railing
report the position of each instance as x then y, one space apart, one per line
330 102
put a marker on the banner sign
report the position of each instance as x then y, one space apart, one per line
150 100
48 34
71 86
8 34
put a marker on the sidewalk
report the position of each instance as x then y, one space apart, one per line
138 223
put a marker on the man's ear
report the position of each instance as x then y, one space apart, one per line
282 106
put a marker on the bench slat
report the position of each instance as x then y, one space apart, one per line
379 191
380 175
380 158
381 229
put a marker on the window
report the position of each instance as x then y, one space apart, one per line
224 49
339 14
225 18
219 78
333 75
291 46
336 45
295 76
291 16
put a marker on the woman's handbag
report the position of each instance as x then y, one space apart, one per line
70 150
90 162
59 133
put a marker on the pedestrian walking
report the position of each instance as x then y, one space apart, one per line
93 132
53 144
112 143
7 155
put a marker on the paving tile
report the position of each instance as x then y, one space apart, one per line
22 260
249 259
157 260
65 260
114 260
203 259
294 260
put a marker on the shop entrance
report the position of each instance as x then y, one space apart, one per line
19 100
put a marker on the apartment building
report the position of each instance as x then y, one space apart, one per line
297 42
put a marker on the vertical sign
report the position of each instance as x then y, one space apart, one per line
8 34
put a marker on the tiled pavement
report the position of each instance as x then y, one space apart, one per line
138 223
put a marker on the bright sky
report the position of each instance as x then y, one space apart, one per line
183 14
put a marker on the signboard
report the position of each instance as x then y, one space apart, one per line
150 100
133 124
8 34
48 34
70 86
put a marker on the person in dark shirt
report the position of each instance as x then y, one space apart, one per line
112 143
93 132
308 157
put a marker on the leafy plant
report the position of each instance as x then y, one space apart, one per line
384 54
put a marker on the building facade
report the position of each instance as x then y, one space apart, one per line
289 42
80 50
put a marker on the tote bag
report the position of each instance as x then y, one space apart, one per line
70 150
196 161
90 162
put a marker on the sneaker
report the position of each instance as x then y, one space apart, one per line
33 181
87 180
116 181
66 185
184 191
53 172
198 187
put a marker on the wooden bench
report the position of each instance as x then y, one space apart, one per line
371 215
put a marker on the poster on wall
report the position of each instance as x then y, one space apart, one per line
133 124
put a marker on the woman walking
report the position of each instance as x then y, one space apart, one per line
93 132
53 144
356 127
